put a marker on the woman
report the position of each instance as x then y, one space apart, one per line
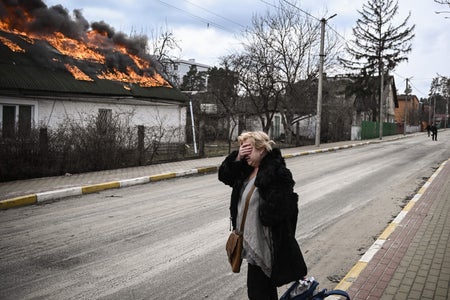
273 255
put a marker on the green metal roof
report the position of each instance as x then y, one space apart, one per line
40 70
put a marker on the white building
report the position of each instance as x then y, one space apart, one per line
180 67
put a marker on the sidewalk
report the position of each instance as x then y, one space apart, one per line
411 258
32 191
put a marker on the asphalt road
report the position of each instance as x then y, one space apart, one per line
166 240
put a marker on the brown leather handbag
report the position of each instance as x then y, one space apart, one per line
235 241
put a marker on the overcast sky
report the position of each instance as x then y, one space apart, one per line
208 29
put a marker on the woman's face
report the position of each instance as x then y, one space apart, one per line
254 155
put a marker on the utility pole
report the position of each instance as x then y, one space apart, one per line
405 110
446 112
429 111
193 125
434 110
190 93
323 21
445 82
381 71
407 91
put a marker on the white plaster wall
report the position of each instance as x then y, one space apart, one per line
51 112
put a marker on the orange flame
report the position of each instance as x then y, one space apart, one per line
74 48
90 48
13 46
77 73
132 77
141 63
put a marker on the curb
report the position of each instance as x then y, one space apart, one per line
357 269
88 189
94 188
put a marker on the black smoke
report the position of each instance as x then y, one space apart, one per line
49 20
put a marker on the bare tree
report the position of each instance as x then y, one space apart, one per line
440 92
280 50
162 45
297 40
445 2
259 81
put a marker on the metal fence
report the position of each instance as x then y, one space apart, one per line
371 130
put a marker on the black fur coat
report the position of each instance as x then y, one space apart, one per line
278 209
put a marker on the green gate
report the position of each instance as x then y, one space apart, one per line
371 130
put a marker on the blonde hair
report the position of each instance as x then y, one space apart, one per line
260 139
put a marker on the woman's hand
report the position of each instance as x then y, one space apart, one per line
244 150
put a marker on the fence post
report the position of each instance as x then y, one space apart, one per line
43 146
201 138
43 143
141 152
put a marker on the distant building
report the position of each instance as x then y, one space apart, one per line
408 104
178 68
345 115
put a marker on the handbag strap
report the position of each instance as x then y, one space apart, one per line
337 292
244 216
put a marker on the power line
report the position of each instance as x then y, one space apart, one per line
312 16
215 14
420 92
277 7
410 83
206 21
303 11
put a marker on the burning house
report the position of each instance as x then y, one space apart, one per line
55 67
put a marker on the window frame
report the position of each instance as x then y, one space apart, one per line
20 127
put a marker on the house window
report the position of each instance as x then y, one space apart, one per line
24 121
104 119
8 121
208 108
16 116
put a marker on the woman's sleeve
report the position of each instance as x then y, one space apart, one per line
278 200
229 169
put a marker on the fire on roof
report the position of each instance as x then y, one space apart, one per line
87 51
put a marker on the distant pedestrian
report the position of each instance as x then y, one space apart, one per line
428 129
434 132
